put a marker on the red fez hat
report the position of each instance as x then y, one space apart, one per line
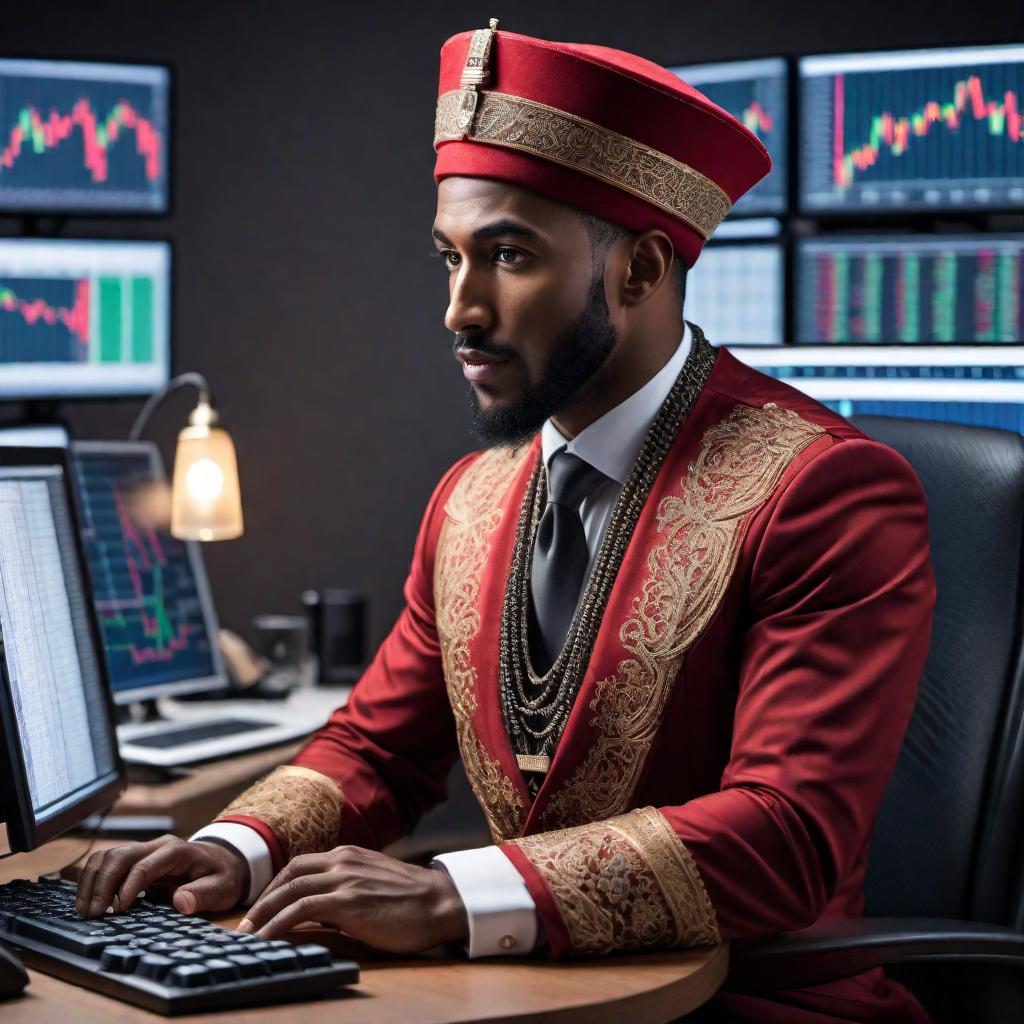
599 129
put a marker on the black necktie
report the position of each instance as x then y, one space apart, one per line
560 555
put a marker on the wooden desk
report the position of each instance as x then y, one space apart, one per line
650 989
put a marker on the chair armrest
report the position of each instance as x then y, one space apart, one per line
841 949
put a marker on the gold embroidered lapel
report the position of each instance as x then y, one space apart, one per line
700 527
473 512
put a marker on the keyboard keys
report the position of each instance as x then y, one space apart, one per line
280 960
52 933
223 970
164 961
249 966
185 956
120 959
188 976
312 955
154 966
235 947
208 950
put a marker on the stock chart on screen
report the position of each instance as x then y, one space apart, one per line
754 92
83 136
927 326
80 318
911 290
734 292
147 596
917 130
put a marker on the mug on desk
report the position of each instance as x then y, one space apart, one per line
283 640
337 629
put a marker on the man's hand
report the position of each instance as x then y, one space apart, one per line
383 902
213 877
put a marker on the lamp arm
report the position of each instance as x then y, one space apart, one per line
191 377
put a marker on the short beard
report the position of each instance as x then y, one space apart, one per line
578 354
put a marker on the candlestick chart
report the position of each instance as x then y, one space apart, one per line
917 131
755 93
144 585
82 317
83 136
912 290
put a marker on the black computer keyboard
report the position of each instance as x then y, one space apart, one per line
157 958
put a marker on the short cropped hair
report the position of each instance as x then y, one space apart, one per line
603 233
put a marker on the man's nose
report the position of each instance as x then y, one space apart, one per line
469 306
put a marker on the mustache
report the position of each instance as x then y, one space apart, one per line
486 346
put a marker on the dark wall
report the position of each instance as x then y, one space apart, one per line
305 288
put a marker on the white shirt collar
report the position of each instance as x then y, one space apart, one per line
612 442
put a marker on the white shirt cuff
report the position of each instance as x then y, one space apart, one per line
501 912
249 843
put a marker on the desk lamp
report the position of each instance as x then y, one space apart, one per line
206 503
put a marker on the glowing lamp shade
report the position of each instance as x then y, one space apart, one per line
206 503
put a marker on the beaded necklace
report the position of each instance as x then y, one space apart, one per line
536 707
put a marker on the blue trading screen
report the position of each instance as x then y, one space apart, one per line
999 415
735 293
926 129
146 594
754 92
83 136
911 290
82 318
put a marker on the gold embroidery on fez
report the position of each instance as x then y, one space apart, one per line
514 122
302 807
624 883
473 512
740 462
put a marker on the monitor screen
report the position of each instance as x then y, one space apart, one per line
734 292
900 373
77 136
34 436
154 607
83 318
58 730
754 92
998 415
916 130
918 289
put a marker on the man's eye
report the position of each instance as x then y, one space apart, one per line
451 258
507 255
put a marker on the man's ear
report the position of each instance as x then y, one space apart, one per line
648 264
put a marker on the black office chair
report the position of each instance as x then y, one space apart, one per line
945 879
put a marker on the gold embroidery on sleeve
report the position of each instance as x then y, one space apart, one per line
301 806
700 528
473 512
625 883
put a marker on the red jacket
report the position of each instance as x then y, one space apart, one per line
744 705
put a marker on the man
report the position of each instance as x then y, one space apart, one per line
672 620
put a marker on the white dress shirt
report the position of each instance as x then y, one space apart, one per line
501 913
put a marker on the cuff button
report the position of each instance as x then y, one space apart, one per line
507 942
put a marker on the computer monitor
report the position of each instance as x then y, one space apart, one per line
911 289
153 601
998 415
43 435
756 93
735 290
83 318
59 752
83 136
913 130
